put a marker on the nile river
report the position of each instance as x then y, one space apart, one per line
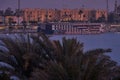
108 40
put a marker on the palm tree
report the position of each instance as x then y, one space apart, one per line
7 12
80 13
31 57
71 63
3 15
25 53
74 64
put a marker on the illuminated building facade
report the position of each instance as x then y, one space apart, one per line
53 15
56 15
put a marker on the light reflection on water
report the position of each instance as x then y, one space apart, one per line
108 40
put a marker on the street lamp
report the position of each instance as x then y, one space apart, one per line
18 11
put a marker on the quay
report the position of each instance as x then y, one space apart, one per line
114 28
18 31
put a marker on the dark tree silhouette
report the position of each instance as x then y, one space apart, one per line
30 57
80 13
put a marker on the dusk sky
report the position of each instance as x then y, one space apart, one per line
92 4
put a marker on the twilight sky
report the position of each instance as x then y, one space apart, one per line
92 4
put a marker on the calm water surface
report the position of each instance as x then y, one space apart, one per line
108 40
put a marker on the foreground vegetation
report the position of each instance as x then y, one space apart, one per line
24 57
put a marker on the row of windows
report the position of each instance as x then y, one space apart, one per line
71 26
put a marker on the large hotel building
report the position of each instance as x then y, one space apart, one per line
53 15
